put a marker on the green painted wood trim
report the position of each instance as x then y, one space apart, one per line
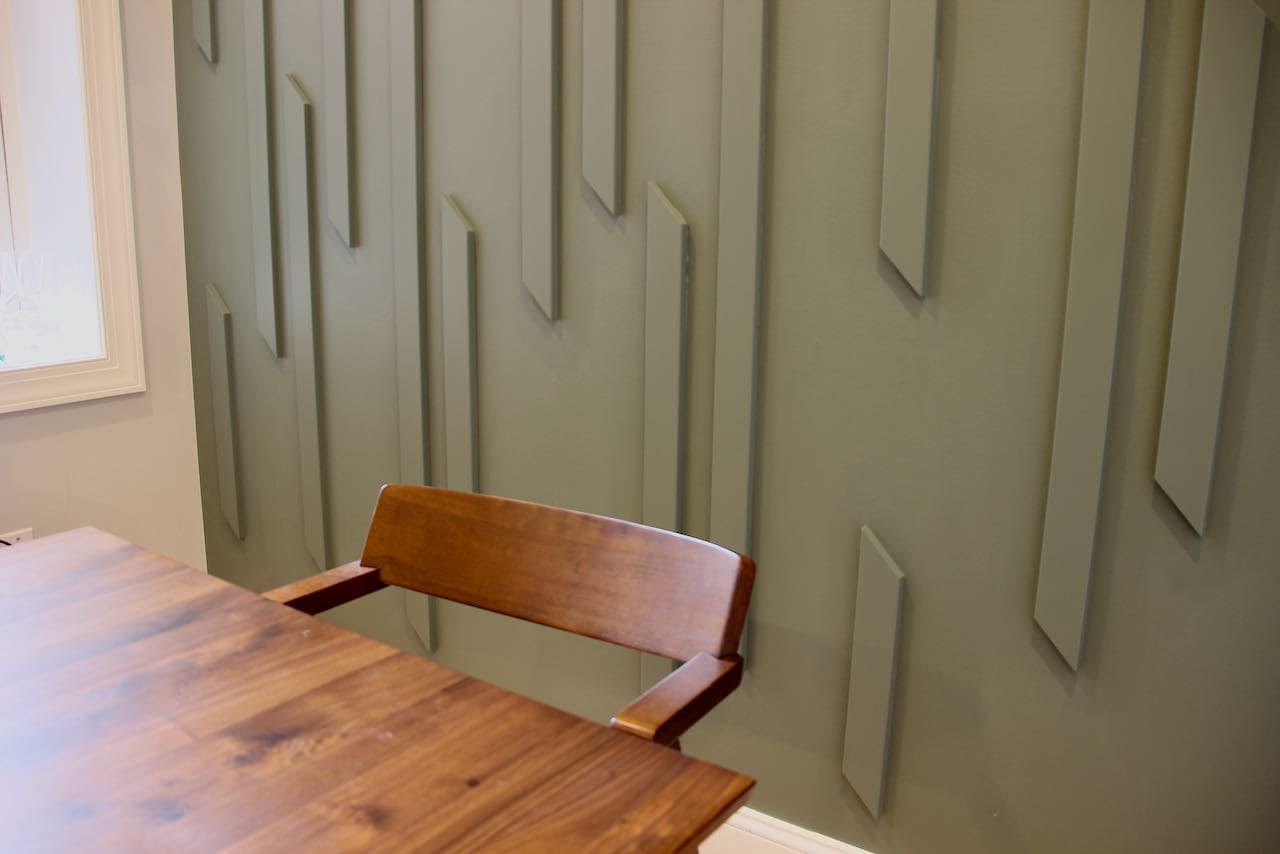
873 665
308 387
1212 221
257 76
1104 176
738 273
910 104
540 152
339 174
458 273
666 275
603 67
223 397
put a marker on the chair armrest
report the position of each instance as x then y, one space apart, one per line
666 710
328 589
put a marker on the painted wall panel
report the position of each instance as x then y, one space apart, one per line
303 325
666 269
910 96
257 74
407 204
738 273
404 54
223 397
603 44
337 120
458 274
1104 173
204 29
873 664
1217 174
540 152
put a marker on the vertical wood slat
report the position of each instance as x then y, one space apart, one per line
873 665
1108 120
407 200
910 96
408 216
204 29
540 152
337 119
458 274
738 277
223 397
257 75
1213 219
603 45
665 343
304 326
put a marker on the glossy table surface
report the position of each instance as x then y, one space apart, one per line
147 706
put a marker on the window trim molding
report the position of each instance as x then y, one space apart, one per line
121 370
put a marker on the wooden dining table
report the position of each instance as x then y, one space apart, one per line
148 706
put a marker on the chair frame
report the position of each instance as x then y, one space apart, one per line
661 714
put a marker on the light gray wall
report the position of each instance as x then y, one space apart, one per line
930 421
127 464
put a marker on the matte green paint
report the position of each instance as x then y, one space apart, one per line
303 304
1217 181
1099 233
666 321
223 397
929 421
873 663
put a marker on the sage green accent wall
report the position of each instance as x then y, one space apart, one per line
928 421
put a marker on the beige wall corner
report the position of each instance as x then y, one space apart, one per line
127 464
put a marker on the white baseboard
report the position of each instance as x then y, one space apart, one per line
751 832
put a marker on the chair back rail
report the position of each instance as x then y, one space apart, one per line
604 578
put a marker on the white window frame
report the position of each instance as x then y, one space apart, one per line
121 370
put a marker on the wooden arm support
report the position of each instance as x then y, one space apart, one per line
676 703
328 589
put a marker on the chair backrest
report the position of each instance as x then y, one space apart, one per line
616 581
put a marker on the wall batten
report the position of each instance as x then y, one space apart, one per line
222 385
910 100
739 272
873 665
303 302
665 344
458 273
540 152
603 23
1213 217
339 180
257 81
1113 62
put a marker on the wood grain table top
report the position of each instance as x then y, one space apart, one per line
147 706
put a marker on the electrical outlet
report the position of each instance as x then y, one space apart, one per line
15 537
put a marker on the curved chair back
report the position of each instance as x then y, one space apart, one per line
604 578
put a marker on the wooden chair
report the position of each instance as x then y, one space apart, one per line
615 581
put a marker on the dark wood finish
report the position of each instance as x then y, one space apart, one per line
148 706
616 581
609 579
666 710
325 590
